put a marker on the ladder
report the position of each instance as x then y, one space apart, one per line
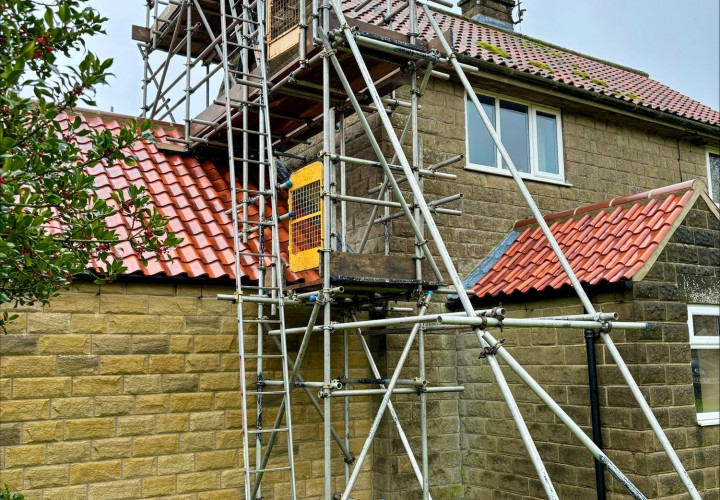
243 35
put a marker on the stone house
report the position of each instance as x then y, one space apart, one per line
653 257
130 390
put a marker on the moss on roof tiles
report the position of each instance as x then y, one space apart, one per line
551 47
546 45
493 49
581 74
542 66
633 97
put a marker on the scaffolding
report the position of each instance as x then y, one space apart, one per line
326 67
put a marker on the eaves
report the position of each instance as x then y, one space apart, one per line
525 80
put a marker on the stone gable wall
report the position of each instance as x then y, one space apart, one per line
686 272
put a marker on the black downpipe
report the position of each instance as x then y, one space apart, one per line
590 336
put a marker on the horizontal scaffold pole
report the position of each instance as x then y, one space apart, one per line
349 325
483 319
540 323
257 299
377 164
400 390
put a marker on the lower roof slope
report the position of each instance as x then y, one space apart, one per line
610 241
193 196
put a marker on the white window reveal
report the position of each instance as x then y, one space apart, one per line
713 169
531 134
704 326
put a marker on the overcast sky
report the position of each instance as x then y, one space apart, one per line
676 42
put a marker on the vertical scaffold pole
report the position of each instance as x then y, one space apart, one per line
328 130
146 61
417 161
343 184
346 402
188 66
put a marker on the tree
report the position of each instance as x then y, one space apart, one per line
53 224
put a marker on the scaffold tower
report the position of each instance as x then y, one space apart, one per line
267 76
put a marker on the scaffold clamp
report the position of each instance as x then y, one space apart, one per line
606 327
491 351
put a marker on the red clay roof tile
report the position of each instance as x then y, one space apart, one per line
567 67
193 196
611 242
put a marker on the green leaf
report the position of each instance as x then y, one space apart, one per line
27 51
64 13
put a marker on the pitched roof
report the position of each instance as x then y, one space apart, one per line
192 195
532 56
610 241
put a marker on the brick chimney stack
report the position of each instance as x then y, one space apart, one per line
493 12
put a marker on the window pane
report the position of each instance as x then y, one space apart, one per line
514 129
714 177
547 143
706 379
481 147
706 326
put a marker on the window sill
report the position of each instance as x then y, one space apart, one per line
706 419
525 177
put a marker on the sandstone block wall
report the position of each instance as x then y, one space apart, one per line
132 391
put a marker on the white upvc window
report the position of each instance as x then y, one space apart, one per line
531 134
704 326
713 173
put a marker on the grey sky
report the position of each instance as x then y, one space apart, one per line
676 42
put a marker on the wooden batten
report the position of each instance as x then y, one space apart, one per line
170 147
141 34
374 266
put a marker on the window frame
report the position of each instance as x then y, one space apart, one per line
702 342
708 151
534 174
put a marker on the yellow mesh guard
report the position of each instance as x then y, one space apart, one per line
284 15
306 225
